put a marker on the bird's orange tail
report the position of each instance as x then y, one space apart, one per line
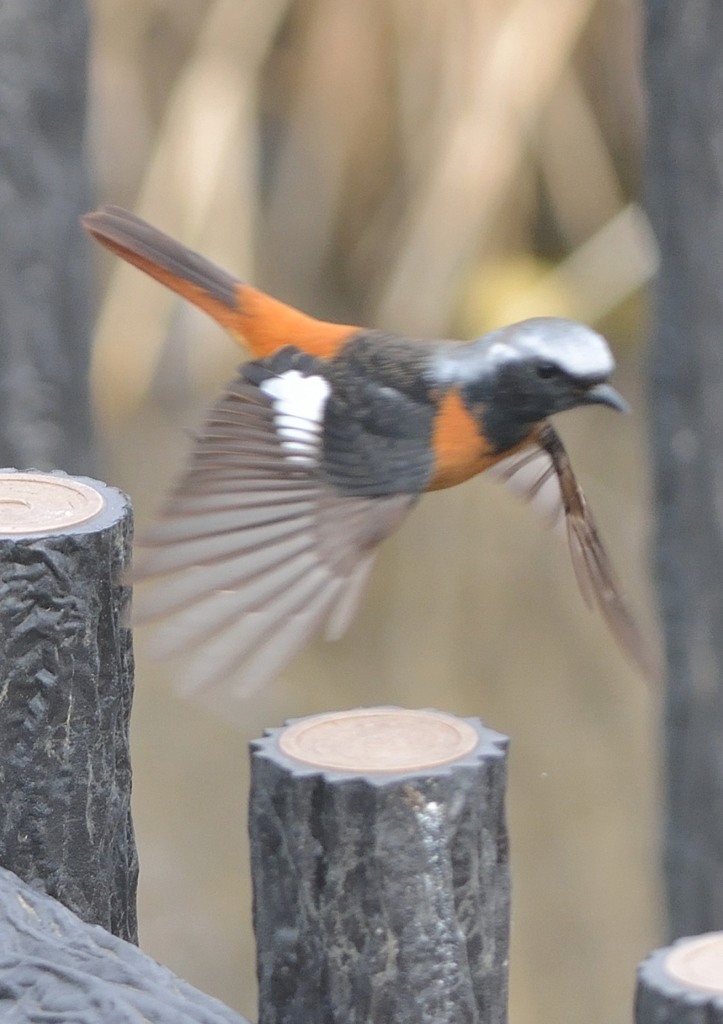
261 323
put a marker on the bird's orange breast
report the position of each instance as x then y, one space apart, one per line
460 447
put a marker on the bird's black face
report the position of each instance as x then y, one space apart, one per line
519 375
526 391
537 388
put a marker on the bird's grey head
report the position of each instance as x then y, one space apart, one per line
520 374
571 347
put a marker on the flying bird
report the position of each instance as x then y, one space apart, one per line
324 442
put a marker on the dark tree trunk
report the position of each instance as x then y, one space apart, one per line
54 967
685 187
45 319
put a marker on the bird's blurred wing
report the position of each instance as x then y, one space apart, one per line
255 551
530 474
541 473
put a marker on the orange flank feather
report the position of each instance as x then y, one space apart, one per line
264 324
258 321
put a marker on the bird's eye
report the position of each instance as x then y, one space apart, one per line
546 370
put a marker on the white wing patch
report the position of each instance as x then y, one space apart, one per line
298 404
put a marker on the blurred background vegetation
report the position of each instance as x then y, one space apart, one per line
437 168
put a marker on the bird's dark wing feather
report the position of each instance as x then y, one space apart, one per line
255 551
542 474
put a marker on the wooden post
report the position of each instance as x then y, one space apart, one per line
682 984
65 694
380 869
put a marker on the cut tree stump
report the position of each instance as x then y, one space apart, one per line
380 867
682 984
66 683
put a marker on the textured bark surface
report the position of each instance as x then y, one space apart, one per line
381 898
56 968
685 186
66 683
44 268
660 999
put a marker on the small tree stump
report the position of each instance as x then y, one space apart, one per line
682 984
380 868
66 680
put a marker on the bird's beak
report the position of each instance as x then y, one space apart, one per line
604 394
